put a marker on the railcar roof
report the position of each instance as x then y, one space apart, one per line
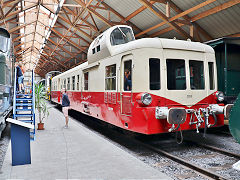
163 43
71 70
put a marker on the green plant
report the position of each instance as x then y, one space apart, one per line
40 101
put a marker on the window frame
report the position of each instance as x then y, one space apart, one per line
84 81
113 42
65 83
68 83
213 76
185 67
131 73
110 77
204 76
154 59
78 82
73 83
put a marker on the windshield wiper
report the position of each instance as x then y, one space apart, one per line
122 32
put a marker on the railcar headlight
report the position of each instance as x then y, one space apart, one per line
220 96
146 99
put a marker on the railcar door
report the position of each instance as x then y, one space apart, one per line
126 85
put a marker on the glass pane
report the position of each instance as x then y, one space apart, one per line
77 82
176 74
154 73
211 75
110 84
128 75
196 74
73 83
65 84
3 44
121 35
86 81
110 77
68 83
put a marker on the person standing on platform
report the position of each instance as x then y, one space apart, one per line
65 105
23 71
19 77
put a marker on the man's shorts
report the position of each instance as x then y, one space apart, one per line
20 80
65 111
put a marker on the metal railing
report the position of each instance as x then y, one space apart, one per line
33 99
14 93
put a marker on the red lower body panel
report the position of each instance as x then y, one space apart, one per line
126 113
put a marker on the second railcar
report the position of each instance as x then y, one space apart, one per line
6 74
228 66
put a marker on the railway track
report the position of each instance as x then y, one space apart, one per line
216 149
122 139
194 167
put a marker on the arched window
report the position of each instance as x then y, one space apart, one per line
121 35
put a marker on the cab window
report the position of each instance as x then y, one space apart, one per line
121 35
176 74
196 75
110 77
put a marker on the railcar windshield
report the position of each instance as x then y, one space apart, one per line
176 74
211 75
4 44
4 40
196 74
121 35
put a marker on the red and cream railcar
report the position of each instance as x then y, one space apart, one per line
149 86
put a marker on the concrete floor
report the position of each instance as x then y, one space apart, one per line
76 153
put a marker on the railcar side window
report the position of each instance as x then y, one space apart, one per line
64 83
176 74
110 77
73 83
98 48
68 83
196 74
93 51
121 35
154 73
86 81
78 82
127 75
211 75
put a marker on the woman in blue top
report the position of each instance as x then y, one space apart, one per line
65 105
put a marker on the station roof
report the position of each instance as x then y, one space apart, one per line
55 34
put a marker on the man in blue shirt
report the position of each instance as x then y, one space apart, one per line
19 77
127 80
65 105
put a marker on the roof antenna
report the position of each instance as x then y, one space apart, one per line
174 38
188 39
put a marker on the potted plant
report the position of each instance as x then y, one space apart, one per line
41 104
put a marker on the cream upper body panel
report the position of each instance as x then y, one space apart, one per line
139 52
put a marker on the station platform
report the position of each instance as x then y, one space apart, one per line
76 153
